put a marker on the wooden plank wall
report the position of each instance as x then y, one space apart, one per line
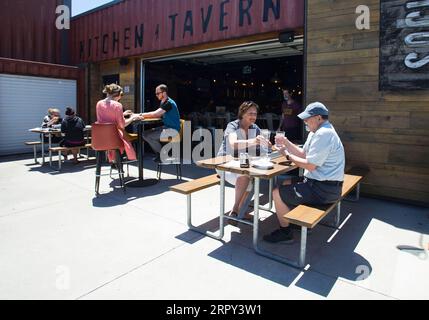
387 132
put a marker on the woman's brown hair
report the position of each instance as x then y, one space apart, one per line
245 106
113 90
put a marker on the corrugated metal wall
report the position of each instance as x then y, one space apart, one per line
22 67
28 32
37 69
135 27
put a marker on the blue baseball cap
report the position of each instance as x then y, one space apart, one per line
314 109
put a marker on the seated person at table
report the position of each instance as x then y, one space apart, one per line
323 160
110 110
241 135
170 115
72 127
52 120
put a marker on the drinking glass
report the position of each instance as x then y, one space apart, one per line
279 134
265 150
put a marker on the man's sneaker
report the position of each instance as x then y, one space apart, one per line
280 236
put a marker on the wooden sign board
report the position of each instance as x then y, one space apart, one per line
404 45
132 28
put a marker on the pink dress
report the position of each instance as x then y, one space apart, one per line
112 112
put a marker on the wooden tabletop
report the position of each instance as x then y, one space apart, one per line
52 130
214 162
280 166
150 120
45 130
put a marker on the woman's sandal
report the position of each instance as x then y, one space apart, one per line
234 215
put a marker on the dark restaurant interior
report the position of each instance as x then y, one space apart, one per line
203 87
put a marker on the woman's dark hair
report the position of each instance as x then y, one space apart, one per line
70 111
245 106
291 93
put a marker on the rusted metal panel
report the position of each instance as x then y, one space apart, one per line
135 27
28 31
38 69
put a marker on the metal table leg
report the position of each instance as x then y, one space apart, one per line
221 213
141 182
270 196
356 196
50 152
248 200
42 135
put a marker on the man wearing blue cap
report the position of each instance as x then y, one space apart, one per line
323 161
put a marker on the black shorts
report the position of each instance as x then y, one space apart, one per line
54 139
310 192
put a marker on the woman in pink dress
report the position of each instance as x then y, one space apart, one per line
110 110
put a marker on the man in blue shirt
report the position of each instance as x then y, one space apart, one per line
169 113
323 161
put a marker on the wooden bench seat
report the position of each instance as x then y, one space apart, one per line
60 150
309 216
305 216
34 144
188 188
196 185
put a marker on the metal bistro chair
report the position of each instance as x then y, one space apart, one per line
105 137
172 161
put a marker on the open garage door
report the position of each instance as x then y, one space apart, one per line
213 82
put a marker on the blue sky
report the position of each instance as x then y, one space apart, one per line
80 6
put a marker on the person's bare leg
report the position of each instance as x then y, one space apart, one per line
243 199
75 152
240 190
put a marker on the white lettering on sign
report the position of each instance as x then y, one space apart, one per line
363 21
63 20
417 4
410 61
417 39
416 19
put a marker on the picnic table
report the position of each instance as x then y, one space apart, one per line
49 132
228 164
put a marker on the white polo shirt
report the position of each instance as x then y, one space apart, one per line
324 149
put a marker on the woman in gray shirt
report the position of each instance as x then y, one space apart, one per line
241 135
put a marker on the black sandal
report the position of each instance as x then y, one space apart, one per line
234 215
